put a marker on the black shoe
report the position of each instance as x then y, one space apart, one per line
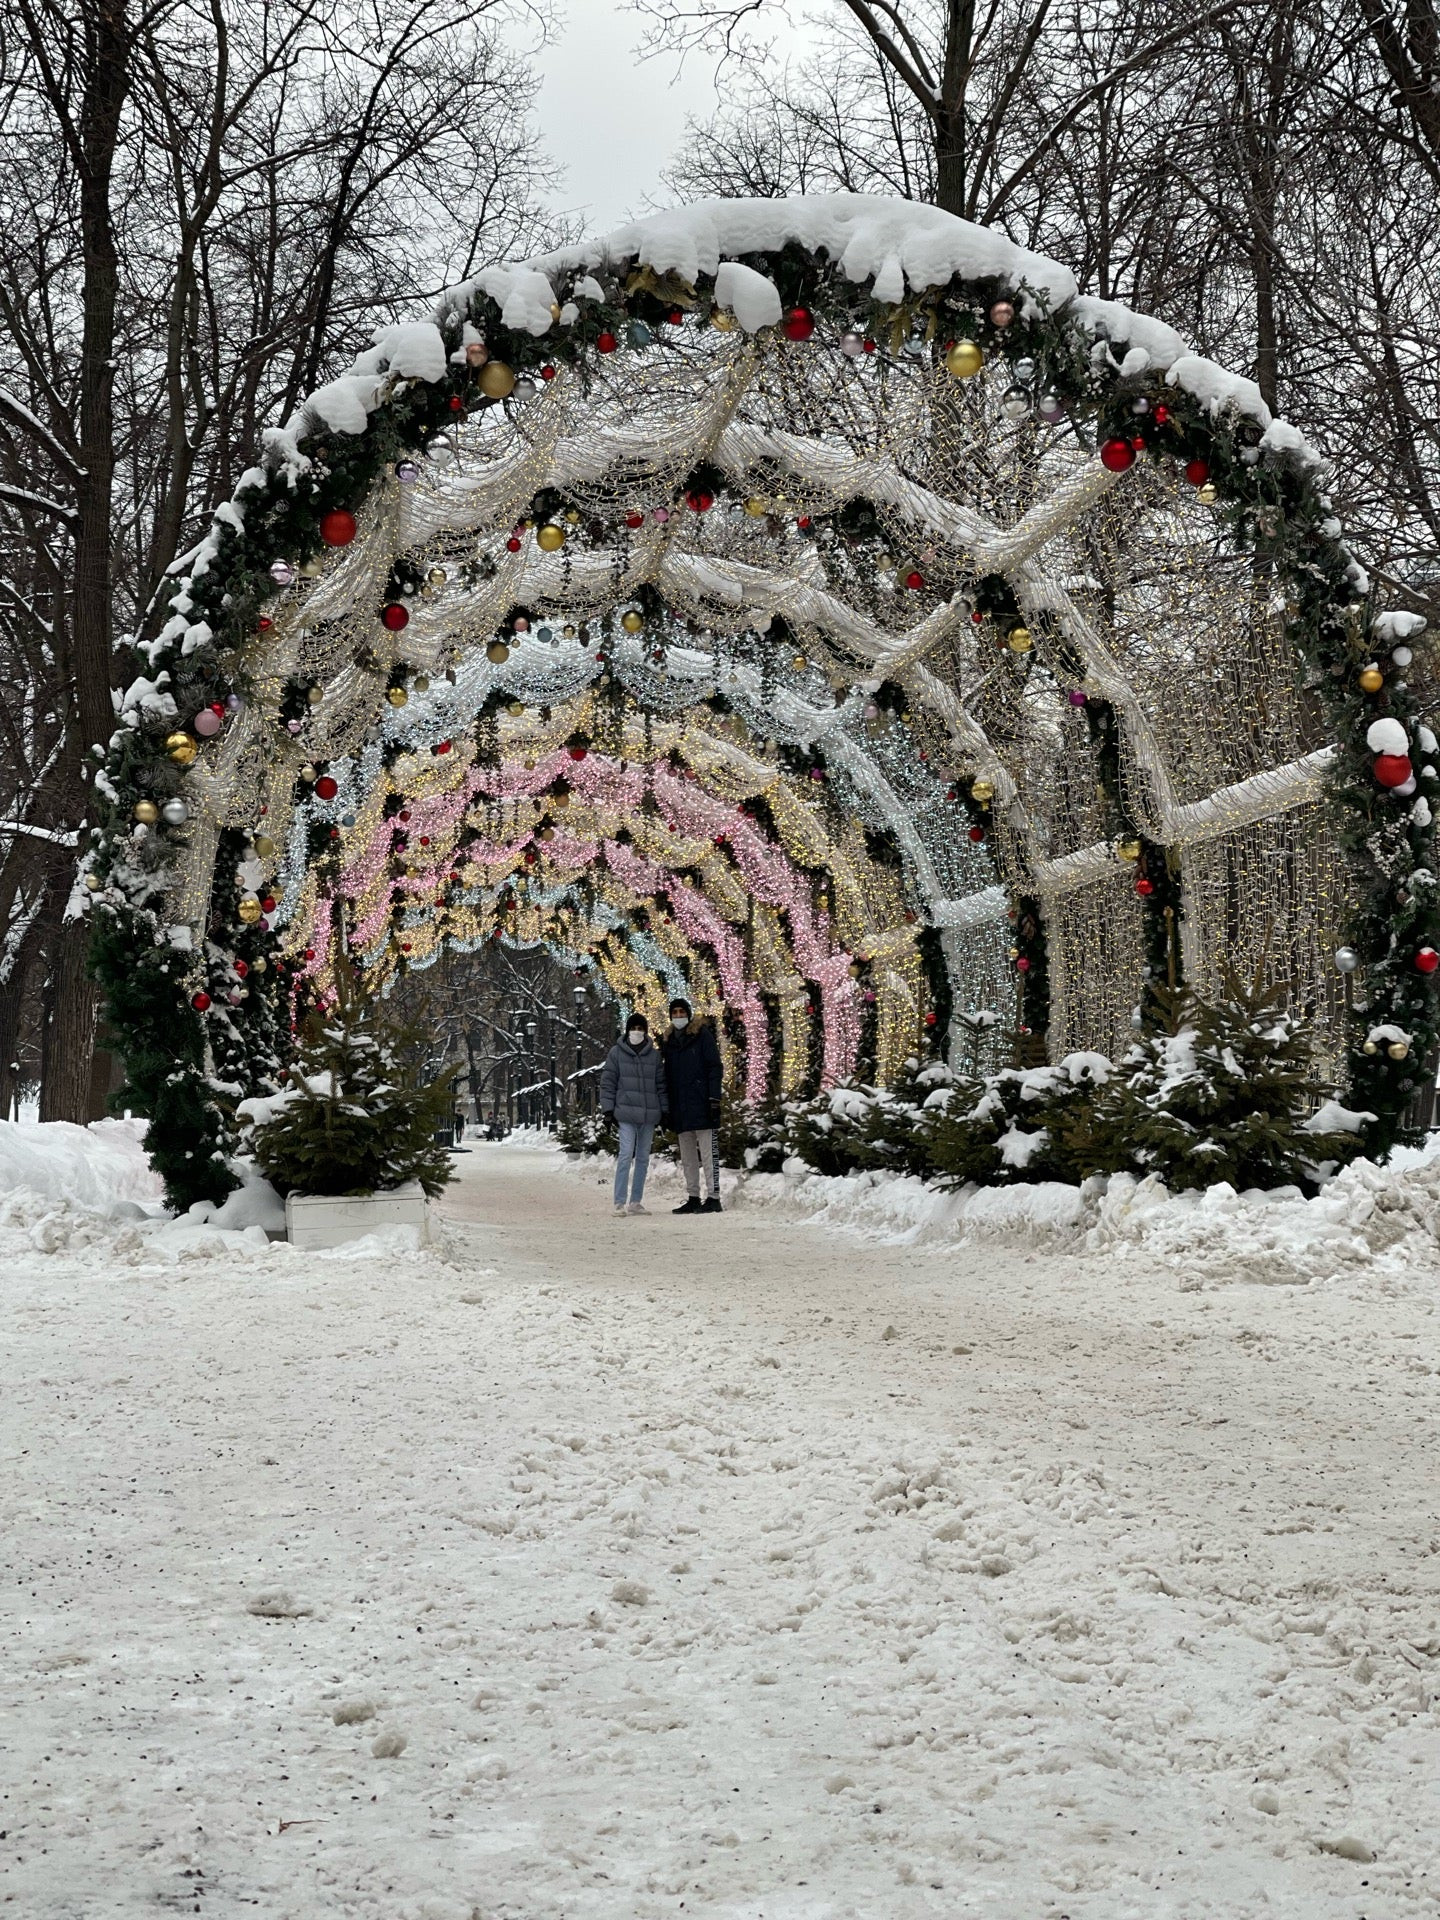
712 1205
692 1205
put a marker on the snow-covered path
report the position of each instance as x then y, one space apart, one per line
712 1567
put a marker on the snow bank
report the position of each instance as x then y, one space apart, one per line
93 1167
90 1191
1380 1222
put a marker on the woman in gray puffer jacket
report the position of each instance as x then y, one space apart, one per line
632 1091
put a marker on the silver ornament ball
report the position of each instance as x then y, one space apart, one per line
1346 960
174 813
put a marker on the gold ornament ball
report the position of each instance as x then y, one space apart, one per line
1128 850
982 790
264 847
561 800
181 748
546 833
1398 1050
1018 640
632 621
550 539
756 508
315 696
721 321
146 812
437 576
964 360
421 683
497 653
800 663
249 909
515 709
1371 680
307 773
94 882
1370 1047
496 380
259 966
1206 495
397 696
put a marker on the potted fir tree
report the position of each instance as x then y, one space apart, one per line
351 1142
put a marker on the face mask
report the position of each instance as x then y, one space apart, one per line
679 1020
635 1036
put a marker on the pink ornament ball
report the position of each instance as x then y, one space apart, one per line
207 722
1077 698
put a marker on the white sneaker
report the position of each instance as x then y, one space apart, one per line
635 1207
619 1213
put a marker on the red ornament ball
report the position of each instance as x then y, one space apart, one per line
1161 416
577 753
242 967
1427 960
1022 965
633 520
930 1019
512 545
404 814
547 372
326 787
1117 455
699 499
200 1001
1144 888
395 616
607 342
1137 441
1393 769
977 834
457 405
914 580
267 905
309 953
338 527
1197 472
798 324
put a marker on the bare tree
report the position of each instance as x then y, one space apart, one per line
199 203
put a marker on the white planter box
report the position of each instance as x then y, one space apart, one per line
323 1220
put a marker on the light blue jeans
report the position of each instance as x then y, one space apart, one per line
634 1148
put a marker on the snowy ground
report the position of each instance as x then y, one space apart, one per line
724 1567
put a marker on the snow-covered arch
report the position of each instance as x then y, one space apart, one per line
1049 598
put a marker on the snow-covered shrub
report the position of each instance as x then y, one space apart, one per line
1012 1126
1220 1091
582 1134
359 1114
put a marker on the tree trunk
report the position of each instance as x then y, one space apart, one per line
68 1035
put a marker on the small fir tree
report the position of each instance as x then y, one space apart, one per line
1221 1091
359 1115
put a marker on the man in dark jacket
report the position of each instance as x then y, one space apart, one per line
694 1079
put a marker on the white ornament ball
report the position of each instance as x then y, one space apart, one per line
1387 736
1346 960
1405 788
1402 656
281 572
852 345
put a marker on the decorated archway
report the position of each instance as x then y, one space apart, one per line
816 601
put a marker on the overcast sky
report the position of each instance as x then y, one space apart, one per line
612 119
